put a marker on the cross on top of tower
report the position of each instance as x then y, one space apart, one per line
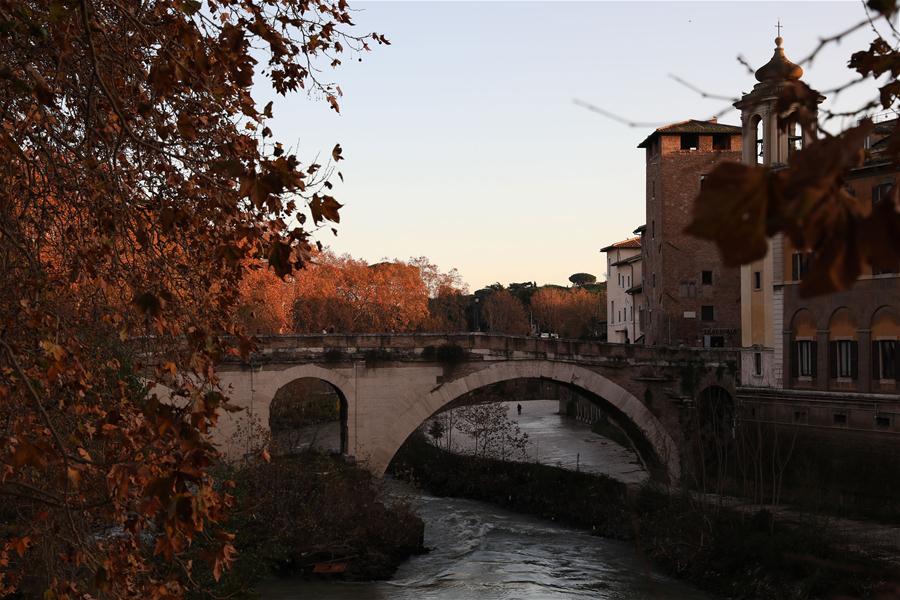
778 27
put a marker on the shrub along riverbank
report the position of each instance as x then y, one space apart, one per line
314 515
729 553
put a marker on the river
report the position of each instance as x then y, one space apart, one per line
479 551
561 441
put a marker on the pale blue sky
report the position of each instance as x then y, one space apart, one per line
462 141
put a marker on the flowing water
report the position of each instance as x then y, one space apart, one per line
482 552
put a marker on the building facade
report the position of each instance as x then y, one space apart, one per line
842 342
846 341
623 280
690 298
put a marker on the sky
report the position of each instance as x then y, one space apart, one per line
463 143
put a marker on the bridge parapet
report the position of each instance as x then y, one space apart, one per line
479 346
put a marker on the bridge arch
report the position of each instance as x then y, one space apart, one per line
312 373
418 410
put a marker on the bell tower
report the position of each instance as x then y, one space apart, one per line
762 282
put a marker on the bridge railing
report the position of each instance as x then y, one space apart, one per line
479 342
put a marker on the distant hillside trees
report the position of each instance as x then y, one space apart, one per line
347 295
504 313
571 313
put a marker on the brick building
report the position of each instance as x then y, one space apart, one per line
689 297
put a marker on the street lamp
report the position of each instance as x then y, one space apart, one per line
477 314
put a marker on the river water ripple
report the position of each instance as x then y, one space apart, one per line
482 552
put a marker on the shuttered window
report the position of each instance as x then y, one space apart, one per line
843 359
803 359
884 359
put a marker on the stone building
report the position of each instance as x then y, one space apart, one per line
689 297
846 341
623 280
763 282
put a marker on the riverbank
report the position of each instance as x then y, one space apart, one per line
729 553
314 516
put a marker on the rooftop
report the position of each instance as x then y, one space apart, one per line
627 261
691 126
779 68
631 243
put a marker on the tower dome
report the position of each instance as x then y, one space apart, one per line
779 68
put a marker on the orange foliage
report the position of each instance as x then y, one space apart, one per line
571 313
345 295
504 313
138 178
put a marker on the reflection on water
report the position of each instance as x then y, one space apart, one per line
486 553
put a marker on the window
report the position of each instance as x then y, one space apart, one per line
702 179
653 229
653 190
844 355
803 359
795 138
760 140
799 265
757 363
612 309
840 418
800 416
881 192
707 313
690 141
706 277
757 280
882 421
721 141
884 359
654 280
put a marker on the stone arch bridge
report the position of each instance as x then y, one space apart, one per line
390 384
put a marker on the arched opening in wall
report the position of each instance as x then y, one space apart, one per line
843 350
756 125
885 329
308 413
712 438
794 138
560 425
804 349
